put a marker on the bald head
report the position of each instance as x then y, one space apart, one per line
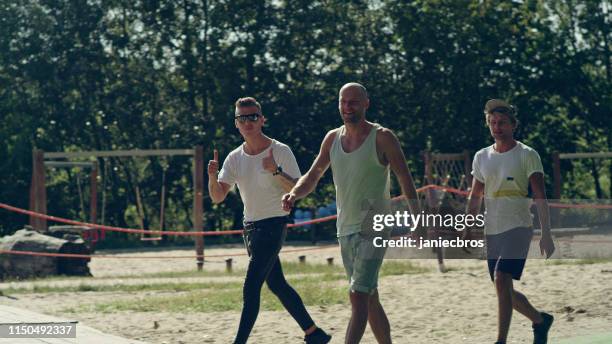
353 102
355 87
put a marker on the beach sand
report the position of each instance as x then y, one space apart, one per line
430 307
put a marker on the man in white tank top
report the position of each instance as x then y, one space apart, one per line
263 169
360 153
503 172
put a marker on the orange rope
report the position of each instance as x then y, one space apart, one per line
86 256
239 231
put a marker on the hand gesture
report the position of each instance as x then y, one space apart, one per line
268 162
213 165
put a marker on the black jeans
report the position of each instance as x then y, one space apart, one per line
264 240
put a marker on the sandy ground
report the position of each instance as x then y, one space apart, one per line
456 307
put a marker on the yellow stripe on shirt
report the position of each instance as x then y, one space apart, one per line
509 193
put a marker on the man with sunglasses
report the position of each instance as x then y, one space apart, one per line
263 169
503 173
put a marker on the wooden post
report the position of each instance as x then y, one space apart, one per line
330 261
428 163
228 264
467 167
93 193
555 221
302 259
556 176
429 199
198 206
33 195
38 191
42 189
93 205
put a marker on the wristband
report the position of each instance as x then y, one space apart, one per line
278 171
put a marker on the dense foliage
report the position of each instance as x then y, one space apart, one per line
104 75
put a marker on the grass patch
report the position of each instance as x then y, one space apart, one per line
11 279
88 283
289 268
169 274
390 267
183 274
327 287
397 267
177 286
318 290
127 288
303 273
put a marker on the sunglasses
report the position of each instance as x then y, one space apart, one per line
253 117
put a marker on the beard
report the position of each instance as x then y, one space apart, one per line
353 118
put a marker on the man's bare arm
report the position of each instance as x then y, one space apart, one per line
474 202
269 164
475 197
392 151
217 190
536 180
286 181
307 183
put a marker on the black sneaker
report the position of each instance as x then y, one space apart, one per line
317 337
540 331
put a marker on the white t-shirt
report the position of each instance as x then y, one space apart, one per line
506 179
260 193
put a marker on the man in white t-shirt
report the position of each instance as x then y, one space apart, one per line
503 172
264 169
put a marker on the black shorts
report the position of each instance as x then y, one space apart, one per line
507 251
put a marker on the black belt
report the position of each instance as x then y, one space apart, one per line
252 225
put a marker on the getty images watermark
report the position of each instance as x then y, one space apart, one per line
403 221
581 229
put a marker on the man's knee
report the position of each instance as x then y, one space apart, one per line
249 291
503 280
359 298
373 300
277 286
